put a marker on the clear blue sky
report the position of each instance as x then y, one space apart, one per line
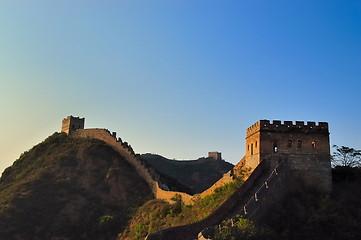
177 78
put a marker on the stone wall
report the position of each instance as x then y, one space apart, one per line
306 145
271 191
227 177
191 231
253 146
256 197
123 148
168 195
144 171
188 199
313 170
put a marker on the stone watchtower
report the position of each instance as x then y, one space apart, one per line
71 124
215 155
305 147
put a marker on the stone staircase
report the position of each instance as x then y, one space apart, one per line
248 201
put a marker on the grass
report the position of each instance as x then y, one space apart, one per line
240 228
158 214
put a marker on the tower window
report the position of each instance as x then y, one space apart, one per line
289 143
275 147
248 147
252 149
256 143
299 143
313 144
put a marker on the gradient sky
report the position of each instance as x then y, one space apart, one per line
177 78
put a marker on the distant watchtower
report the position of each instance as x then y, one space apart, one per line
215 155
71 124
306 147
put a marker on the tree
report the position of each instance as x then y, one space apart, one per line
345 156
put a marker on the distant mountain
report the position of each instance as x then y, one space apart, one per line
197 175
69 188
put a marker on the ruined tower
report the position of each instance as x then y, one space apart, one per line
305 147
71 124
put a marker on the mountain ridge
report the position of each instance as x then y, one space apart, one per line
69 188
198 174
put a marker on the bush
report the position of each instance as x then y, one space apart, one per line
158 214
240 228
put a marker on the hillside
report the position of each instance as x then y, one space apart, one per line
197 175
305 213
69 188
80 188
157 214
308 214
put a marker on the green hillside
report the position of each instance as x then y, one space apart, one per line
69 188
157 214
198 175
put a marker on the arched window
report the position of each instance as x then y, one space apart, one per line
313 144
299 143
289 143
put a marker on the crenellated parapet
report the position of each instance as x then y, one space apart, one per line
288 126
306 145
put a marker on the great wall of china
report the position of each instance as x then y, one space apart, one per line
146 172
278 154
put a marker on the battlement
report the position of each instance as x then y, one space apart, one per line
278 126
